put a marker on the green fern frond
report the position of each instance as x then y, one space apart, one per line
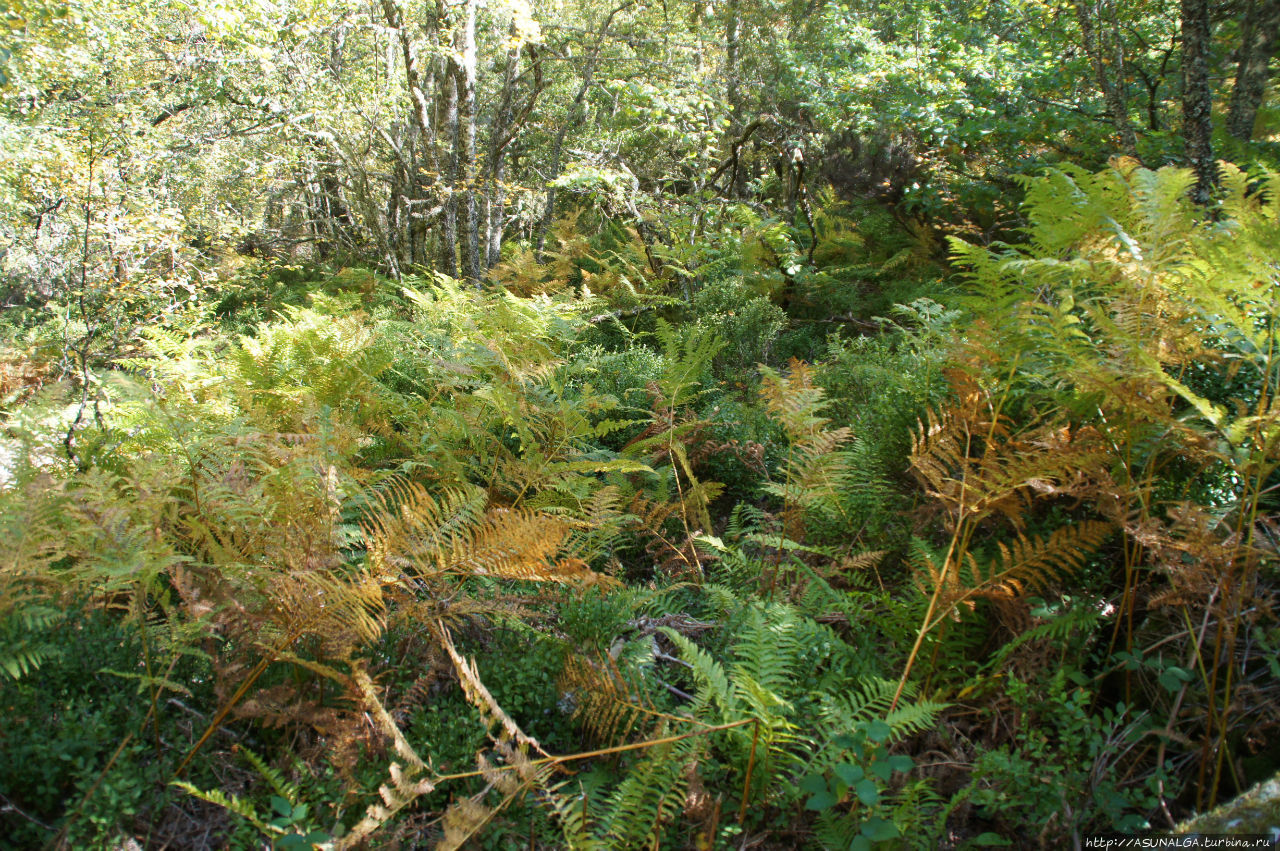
231 803
283 788
18 662
648 800
871 700
711 677
1057 631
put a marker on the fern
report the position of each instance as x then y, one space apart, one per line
816 471
436 539
232 803
1056 632
22 648
1153 327
647 801
610 704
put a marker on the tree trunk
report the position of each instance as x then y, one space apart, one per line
1111 91
498 138
412 73
465 75
733 91
448 262
502 132
1197 101
1258 44
428 149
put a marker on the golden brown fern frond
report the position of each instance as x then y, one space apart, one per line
1194 548
430 539
496 719
858 562
794 399
851 570
609 705
672 551
969 462
954 455
407 781
509 544
465 817
816 470
523 275
340 613
406 522
1031 564
1025 566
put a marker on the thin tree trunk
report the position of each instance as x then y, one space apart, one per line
1258 44
465 76
1112 94
497 215
496 192
399 235
412 73
428 148
506 124
732 26
1197 100
448 263
733 88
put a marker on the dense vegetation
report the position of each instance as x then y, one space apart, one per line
755 424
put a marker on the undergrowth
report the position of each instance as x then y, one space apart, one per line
775 543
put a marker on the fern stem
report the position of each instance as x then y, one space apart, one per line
1246 525
257 671
138 599
751 764
574 757
939 585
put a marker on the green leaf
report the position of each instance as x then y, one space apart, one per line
867 791
281 806
813 784
989 839
849 773
1173 677
878 731
822 801
877 829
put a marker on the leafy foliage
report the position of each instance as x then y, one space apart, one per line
479 425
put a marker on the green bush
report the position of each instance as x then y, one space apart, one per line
1059 771
65 722
747 322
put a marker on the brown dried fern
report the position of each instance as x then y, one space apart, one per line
610 706
975 467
